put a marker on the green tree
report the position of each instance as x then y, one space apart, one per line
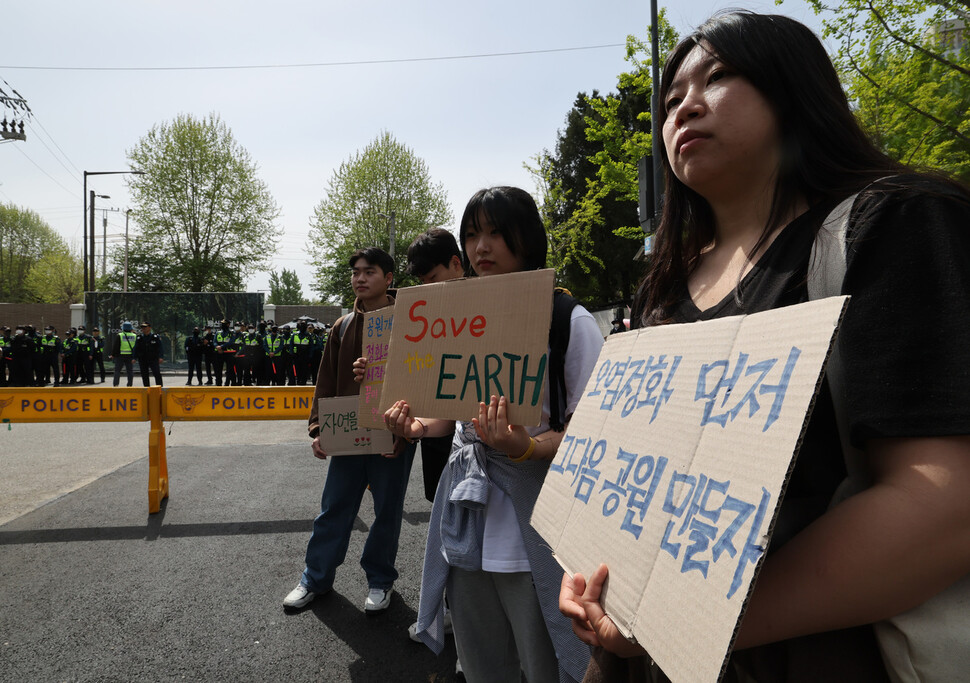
589 185
385 176
906 68
57 277
25 239
285 288
207 220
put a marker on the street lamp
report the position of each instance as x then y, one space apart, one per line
88 254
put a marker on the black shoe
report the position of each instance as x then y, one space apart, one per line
189 383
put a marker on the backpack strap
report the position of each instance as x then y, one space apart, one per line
826 272
339 328
563 304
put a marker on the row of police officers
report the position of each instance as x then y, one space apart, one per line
255 354
29 358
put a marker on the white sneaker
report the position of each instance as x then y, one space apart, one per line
413 628
299 597
378 600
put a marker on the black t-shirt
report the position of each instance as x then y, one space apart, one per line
905 357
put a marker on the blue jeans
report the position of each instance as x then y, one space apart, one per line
347 479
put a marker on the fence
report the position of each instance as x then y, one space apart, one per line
154 405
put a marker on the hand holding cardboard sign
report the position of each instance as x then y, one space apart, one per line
580 601
360 368
317 449
493 428
400 423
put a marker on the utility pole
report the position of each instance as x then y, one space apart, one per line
87 220
127 214
104 244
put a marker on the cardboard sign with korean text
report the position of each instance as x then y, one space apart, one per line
672 469
341 433
459 342
374 347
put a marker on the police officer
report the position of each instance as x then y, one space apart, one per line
208 351
85 357
301 346
21 357
36 357
97 352
287 357
273 345
225 349
260 374
4 355
148 350
68 357
193 353
123 352
319 342
51 344
244 358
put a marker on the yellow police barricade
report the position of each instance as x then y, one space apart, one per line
154 405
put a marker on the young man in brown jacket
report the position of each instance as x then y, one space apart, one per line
372 271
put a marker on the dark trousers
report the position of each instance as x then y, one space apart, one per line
52 363
276 371
69 370
195 367
218 363
146 364
125 361
208 368
99 361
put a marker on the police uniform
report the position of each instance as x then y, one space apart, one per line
85 358
21 353
193 353
4 354
51 345
97 353
273 346
301 346
123 352
69 356
148 350
225 348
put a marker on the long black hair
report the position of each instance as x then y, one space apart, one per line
824 152
513 212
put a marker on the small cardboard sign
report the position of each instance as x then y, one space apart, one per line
672 469
341 433
374 347
459 342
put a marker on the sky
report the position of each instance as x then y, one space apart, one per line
113 69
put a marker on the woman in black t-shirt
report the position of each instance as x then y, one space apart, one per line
760 146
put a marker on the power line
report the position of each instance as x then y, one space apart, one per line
51 138
366 62
71 192
56 158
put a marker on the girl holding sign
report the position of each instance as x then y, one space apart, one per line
761 146
502 580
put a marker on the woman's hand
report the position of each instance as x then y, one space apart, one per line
360 368
580 601
399 422
493 428
570 604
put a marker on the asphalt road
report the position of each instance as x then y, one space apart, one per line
93 588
